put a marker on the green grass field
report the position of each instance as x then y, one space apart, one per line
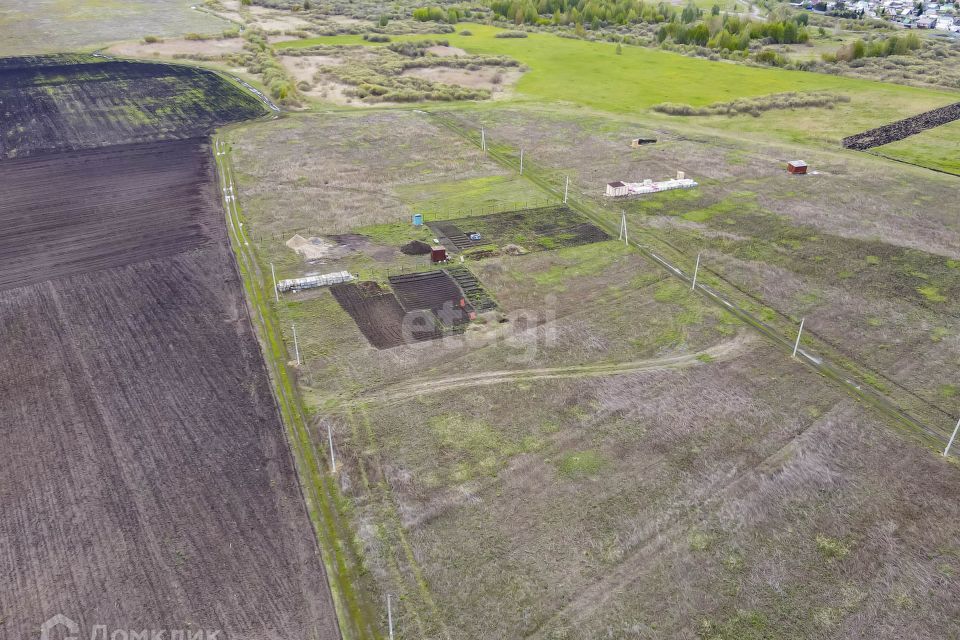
470 197
591 75
937 148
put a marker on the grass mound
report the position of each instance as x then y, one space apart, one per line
756 106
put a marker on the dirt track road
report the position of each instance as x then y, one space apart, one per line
423 386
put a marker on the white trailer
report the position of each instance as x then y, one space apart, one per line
621 189
311 282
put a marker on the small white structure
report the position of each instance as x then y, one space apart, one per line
311 282
619 189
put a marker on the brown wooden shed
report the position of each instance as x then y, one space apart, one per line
438 253
797 166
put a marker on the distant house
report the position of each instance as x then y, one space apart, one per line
926 22
617 189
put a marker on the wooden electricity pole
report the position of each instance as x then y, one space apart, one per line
276 292
946 451
296 345
799 333
333 456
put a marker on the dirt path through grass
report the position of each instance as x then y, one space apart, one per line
424 386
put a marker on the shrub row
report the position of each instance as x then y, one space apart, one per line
756 106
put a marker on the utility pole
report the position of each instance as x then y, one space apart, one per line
389 616
623 228
296 345
946 451
521 160
333 456
276 292
695 270
483 139
566 188
797 344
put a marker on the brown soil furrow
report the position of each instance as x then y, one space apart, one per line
145 481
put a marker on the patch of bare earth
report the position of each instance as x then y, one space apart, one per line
281 38
445 51
495 80
305 68
170 48
271 20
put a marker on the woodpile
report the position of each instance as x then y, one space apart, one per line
903 128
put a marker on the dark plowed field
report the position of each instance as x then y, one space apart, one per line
145 481
432 291
381 319
69 103
533 229
478 297
72 213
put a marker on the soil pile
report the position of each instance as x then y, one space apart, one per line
415 248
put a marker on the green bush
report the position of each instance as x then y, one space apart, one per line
771 57
430 14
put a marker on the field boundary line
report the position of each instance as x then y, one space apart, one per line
393 565
388 501
877 154
321 496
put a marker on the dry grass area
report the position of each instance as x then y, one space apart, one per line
901 201
864 249
323 174
605 456
48 26
178 47
496 81
738 499
446 51
270 20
